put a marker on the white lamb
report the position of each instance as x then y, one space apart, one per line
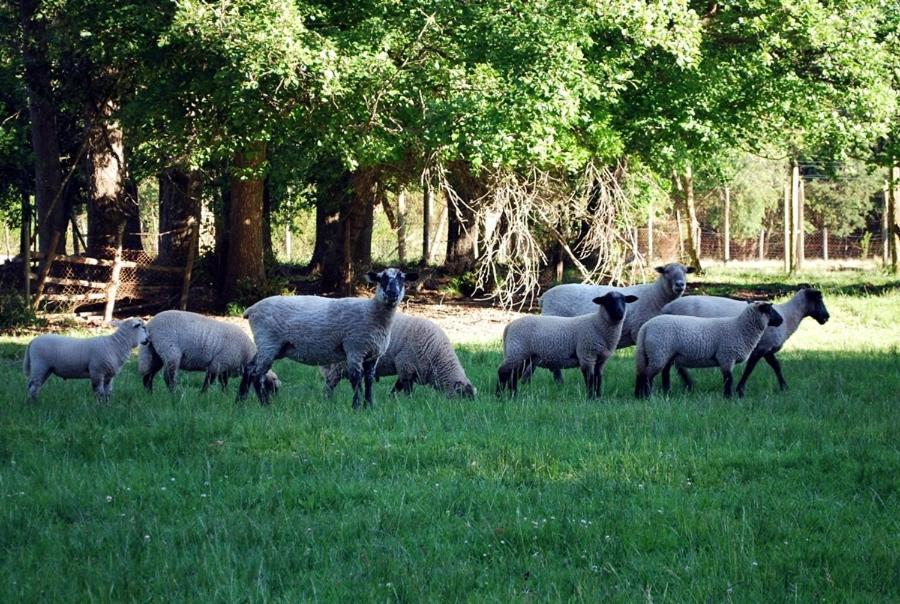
585 341
684 341
99 358
805 303
191 342
573 299
321 331
419 353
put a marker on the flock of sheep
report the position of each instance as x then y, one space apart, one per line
364 338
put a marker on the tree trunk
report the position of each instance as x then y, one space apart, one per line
268 250
244 267
51 209
726 244
401 227
106 176
686 188
179 209
357 216
462 228
133 238
893 236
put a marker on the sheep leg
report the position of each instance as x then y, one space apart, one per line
557 375
208 379
776 367
369 378
169 373
508 375
36 383
729 379
107 388
748 369
589 371
223 380
667 377
355 375
685 378
643 385
156 364
97 386
255 374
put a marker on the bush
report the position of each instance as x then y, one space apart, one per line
16 313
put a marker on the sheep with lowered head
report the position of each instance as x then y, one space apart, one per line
685 341
586 341
191 342
321 331
419 353
99 358
807 302
573 299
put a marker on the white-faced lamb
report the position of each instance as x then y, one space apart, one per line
99 358
419 353
806 302
573 299
320 331
586 341
191 342
685 341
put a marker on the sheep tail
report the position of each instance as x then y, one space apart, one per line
26 365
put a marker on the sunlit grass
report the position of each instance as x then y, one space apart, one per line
778 496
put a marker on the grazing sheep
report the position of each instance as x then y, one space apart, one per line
684 341
99 358
321 331
573 299
419 352
586 341
192 342
805 303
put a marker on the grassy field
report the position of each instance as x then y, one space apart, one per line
777 497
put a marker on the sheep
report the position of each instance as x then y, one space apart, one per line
685 341
418 352
321 331
192 342
99 358
807 302
586 341
573 299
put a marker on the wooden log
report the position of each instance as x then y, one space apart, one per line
188 268
45 270
75 297
114 280
72 282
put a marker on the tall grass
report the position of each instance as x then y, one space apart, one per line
778 496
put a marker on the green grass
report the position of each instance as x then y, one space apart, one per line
779 496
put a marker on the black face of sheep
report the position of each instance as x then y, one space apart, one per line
816 305
775 318
464 390
390 284
675 275
614 304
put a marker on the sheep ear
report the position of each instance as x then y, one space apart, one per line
629 299
372 277
690 269
115 322
410 276
765 307
599 299
661 270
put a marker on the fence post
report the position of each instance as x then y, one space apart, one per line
801 234
113 288
762 241
825 243
795 212
787 227
45 269
726 247
189 265
650 234
427 207
26 244
894 174
885 233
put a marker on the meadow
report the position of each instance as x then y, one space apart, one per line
780 496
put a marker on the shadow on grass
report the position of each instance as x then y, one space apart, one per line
768 290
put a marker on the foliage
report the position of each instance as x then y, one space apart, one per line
16 313
841 202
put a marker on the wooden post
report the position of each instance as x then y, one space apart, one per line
189 265
650 234
726 244
26 244
427 209
45 269
801 232
288 243
885 233
787 227
824 243
112 289
762 243
894 175
795 212
401 226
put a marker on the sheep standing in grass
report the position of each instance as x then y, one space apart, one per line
192 342
573 299
805 303
321 331
684 341
586 341
419 353
99 358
